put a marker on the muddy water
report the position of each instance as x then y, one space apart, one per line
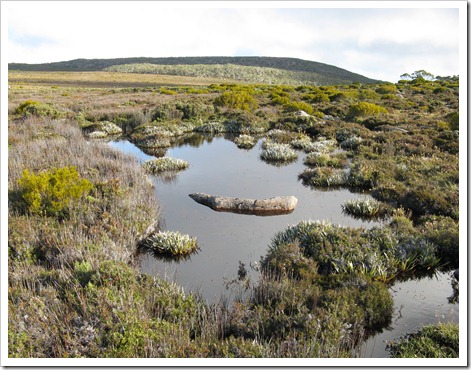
218 167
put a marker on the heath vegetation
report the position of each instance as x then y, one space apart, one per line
78 210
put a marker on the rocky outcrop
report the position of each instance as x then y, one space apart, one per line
263 207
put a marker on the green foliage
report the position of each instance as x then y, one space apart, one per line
432 341
236 100
364 109
386 89
52 192
83 272
454 121
31 107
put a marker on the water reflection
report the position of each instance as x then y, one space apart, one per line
217 166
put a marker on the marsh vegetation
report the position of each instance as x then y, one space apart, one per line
78 210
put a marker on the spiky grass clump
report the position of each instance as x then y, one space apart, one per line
364 208
245 141
432 341
171 243
323 177
301 143
321 146
380 253
273 152
159 165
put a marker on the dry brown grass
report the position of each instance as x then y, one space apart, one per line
107 79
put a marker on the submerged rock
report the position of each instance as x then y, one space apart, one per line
263 207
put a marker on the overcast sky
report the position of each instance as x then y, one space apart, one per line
365 38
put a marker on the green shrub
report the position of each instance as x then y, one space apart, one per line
31 107
386 89
364 109
236 100
52 192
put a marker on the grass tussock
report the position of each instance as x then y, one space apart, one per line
273 152
431 341
170 243
365 208
158 165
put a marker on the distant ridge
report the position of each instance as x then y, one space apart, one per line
328 72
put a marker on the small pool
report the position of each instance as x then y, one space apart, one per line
219 167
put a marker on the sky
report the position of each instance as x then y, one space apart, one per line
377 39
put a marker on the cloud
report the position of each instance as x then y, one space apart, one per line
377 42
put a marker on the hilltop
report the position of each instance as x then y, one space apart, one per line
250 69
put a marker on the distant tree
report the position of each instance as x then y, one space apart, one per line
418 75
454 78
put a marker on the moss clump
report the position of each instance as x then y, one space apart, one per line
170 243
155 166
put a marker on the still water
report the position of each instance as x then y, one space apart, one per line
218 167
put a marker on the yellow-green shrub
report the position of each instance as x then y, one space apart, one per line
32 107
52 192
237 100
363 109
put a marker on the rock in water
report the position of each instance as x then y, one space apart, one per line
262 207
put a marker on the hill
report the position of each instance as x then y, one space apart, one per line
282 70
